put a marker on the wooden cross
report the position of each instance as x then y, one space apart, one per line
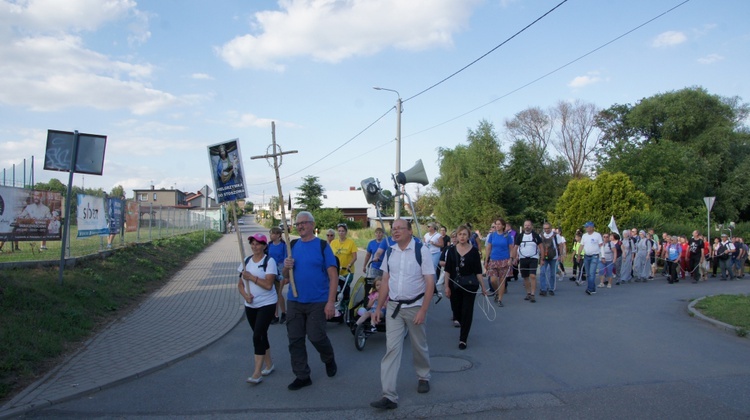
275 155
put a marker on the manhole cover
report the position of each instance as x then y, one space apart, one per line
447 364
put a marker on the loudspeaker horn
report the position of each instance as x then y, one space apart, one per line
373 192
415 174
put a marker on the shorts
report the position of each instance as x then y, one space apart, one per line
499 268
606 269
528 266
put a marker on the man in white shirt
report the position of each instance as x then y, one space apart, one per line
407 287
592 242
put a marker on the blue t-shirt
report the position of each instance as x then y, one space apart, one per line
310 272
372 248
674 251
500 246
278 253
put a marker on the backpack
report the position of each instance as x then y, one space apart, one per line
323 245
417 254
262 266
550 244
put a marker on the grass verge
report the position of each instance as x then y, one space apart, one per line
42 321
731 309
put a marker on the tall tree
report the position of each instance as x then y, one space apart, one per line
534 126
577 133
471 183
311 193
679 147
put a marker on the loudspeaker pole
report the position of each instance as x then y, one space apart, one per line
397 195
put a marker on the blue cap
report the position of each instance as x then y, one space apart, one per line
589 224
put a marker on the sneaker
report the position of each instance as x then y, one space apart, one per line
551 292
461 346
44 248
609 286
266 372
384 404
439 298
275 320
572 279
373 329
528 296
589 292
256 381
456 324
331 368
423 387
500 303
299 384
543 293
282 319
533 300
578 282
600 285
713 275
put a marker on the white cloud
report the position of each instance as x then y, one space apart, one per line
668 39
201 76
50 16
45 66
710 59
332 31
581 81
250 120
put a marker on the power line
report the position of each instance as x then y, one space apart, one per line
490 51
334 150
551 72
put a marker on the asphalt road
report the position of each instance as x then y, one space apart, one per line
628 352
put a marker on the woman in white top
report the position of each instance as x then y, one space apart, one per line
434 241
257 275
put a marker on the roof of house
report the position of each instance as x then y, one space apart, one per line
344 200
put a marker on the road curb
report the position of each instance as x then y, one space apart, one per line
716 323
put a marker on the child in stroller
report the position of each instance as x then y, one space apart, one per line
372 302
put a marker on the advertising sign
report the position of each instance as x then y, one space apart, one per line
114 215
226 171
92 216
131 216
90 157
27 215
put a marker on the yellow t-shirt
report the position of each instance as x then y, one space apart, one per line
345 252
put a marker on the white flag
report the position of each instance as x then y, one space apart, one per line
613 226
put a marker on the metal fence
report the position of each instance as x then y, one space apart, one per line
154 222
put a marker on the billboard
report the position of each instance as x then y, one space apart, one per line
90 156
226 171
91 216
27 215
115 215
132 216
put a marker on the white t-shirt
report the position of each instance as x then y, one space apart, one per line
434 249
591 243
261 296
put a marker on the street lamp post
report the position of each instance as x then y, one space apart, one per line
397 202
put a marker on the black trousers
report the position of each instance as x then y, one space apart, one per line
462 303
259 320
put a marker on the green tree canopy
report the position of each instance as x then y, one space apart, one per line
598 200
679 147
470 183
311 193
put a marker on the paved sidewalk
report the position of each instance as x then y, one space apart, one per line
199 305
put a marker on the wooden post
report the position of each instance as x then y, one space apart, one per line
275 155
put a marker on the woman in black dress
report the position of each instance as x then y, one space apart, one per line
463 260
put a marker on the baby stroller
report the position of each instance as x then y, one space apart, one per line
343 300
363 331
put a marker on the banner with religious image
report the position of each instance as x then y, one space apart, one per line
91 216
226 171
28 215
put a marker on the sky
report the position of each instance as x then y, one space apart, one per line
165 79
